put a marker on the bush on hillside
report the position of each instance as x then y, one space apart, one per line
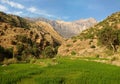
2 49
49 52
92 46
24 51
5 53
68 45
34 50
20 48
24 39
109 37
73 53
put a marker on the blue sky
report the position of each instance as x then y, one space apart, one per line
67 10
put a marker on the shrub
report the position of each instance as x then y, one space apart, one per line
48 52
35 51
9 61
74 40
73 53
109 37
5 53
24 39
8 52
93 46
69 45
114 58
25 50
13 42
56 49
97 56
2 50
20 48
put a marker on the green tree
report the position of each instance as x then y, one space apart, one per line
20 48
109 37
49 52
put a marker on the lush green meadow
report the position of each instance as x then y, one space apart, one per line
65 71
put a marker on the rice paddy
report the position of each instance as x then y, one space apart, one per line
66 71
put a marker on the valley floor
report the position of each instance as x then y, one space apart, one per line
60 71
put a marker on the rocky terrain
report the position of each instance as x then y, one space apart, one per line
69 29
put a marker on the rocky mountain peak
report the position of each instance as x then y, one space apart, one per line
69 29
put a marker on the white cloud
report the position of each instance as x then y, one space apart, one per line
13 4
40 12
32 10
3 8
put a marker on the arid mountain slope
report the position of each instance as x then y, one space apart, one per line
49 29
25 40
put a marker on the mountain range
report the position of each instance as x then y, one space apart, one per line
69 29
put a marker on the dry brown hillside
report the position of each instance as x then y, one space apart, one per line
46 27
23 41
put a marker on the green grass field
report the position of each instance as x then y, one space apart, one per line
67 71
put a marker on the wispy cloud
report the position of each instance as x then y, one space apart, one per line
13 4
23 10
40 12
3 8
32 9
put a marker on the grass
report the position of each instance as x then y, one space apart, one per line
67 71
80 72
15 72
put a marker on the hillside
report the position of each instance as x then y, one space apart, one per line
68 29
14 20
97 41
24 39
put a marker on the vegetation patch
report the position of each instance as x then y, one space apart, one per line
109 37
68 45
73 53
67 71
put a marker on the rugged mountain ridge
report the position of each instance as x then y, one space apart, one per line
69 29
